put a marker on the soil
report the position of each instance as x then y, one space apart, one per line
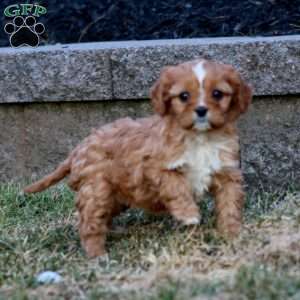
72 21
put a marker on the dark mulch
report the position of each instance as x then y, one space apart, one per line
72 21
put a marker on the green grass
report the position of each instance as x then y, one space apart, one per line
152 258
259 282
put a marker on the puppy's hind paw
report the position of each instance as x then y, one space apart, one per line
94 247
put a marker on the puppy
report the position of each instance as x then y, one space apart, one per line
166 162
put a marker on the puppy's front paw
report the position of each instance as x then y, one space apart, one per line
229 231
191 221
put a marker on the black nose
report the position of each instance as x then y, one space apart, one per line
201 111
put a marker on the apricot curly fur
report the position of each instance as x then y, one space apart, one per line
163 163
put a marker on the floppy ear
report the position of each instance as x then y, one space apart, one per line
241 98
159 92
244 96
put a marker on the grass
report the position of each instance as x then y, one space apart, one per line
150 258
259 282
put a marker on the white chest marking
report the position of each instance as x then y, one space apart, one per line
200 161
200 73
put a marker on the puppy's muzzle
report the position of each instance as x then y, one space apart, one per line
201 120
201 111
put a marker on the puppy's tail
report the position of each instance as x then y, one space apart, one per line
61 171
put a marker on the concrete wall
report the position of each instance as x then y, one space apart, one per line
52 96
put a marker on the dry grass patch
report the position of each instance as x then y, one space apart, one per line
151 257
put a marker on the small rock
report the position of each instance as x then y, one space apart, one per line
49 277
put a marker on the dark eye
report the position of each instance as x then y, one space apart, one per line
217 95
184 96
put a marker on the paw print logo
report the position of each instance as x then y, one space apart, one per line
24 32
